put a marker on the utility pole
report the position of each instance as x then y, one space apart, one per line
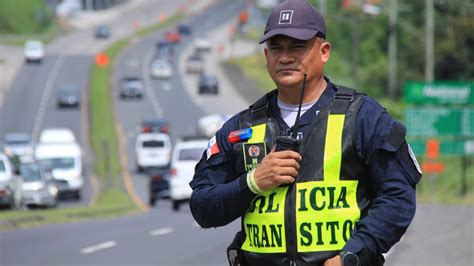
429 41
392 49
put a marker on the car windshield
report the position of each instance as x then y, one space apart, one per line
33 45
30 173
190 154
17 142
153 144
2 166
58 163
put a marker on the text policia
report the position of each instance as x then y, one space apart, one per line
326 214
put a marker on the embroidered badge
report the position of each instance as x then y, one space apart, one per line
212 147
285 17
253 154
413 158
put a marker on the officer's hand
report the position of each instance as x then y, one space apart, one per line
277 168
334 261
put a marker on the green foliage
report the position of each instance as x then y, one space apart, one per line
446 186
24 17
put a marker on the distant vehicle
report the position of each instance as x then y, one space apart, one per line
68 96
195 64
18 144
165 50
10 185
209 124
38 188
58 151
154 125
158 185
131 87
34 51
208 84
173 36
102 32
202 43
152 150
186 154
161 68
57 136
184 29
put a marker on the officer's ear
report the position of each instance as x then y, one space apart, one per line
324 50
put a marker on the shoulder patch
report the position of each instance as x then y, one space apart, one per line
413 158
212 147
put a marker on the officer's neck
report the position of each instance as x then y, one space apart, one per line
313 90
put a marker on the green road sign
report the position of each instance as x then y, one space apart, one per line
438 92
433 122
448 147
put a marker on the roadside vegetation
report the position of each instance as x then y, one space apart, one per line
26 19
112 199
359 59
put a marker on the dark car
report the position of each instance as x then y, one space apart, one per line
184 29
154 125
68 96
131 87
165 50
102 32
158 185
208 84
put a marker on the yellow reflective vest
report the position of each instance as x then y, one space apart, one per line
311 220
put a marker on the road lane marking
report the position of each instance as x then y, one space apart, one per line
162 231
45 97
98 247
147 80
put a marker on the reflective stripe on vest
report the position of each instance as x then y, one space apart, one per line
326 211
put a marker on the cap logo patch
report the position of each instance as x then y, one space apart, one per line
285 17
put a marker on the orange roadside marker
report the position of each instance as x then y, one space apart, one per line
102 60
433 167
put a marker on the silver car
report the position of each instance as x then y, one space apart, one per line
38 187
10 184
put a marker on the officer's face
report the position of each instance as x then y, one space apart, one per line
288 59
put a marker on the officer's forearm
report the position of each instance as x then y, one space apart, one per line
220 204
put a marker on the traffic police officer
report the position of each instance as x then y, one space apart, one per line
341 192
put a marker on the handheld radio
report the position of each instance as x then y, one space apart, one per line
291 142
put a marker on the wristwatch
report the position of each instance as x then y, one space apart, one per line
349 259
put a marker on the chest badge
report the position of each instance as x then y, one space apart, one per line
253 154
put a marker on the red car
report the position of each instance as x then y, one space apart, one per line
173 36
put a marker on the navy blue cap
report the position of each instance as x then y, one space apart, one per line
294 18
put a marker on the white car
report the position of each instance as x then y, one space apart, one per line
202 44
161 68
56 136
186 154
65 162
34 51
60 153
153 150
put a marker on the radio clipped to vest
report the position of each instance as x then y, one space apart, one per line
291 142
